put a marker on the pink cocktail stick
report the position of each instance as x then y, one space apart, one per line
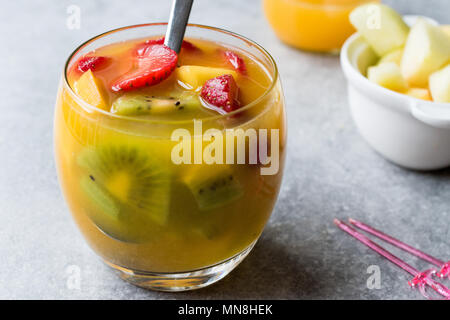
420 279
445 266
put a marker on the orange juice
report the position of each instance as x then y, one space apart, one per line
315 25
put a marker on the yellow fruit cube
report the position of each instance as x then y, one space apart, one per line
91 90
393 56
419 93
382 27
426 51
194 77
446 29
440 85
387 75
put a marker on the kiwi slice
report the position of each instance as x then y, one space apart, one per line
213 186
135 104
101 198
126 183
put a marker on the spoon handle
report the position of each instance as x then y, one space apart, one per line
178 20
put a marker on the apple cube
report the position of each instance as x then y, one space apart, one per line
381 26
446 29
440 85
426 51
387 75
419 93
393 56
195 76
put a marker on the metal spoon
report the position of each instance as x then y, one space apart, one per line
178 20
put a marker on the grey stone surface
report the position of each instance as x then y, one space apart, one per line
332 172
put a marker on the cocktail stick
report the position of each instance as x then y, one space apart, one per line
444 266
421 279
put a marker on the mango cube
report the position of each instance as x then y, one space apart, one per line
195 76
387 75
440 85
91 90
426 51
382 27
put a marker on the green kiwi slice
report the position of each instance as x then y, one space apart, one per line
125 183
135 104
213 186
105 202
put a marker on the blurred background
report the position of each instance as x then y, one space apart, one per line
330 170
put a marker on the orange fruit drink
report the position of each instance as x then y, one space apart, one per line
171 163
314 25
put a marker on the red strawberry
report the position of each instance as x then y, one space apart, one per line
156 41
142 47
236 61
221 92
93 63
185 45
153 64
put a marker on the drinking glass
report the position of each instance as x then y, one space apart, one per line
193 246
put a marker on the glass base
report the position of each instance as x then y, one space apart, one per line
173 282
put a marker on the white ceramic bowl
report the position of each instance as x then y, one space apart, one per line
410 132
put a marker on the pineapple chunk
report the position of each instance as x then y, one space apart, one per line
446 29
419 93
381 26
91 90
387 75
393 56
440 85
196 76
427 50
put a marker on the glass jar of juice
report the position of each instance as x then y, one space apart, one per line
315 25
170 186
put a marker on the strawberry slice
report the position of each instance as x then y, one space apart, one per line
155 41
184 45
221 92
91 63
236 61
153 64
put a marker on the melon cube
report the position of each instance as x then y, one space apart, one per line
440 85
194 77
381 26
387 75
426 51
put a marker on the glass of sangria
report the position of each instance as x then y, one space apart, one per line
313 25
170 164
